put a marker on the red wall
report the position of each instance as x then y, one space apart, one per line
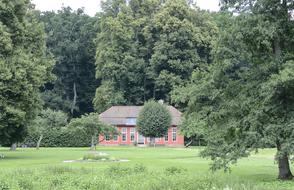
159 141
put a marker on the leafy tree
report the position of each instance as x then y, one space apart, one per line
144 48
92 124
70 37
47 120
245 100
106 96
154 120
24 68
183 41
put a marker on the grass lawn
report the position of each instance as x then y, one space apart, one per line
148 168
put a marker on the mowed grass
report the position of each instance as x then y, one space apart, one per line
148 168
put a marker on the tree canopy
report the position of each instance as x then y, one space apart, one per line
24 67
144 48
93 126
244 101
70 38
154 120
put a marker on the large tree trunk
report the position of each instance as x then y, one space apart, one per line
13 147
284 168
39 142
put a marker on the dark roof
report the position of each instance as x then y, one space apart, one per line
117 115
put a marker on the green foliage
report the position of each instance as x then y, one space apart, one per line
154 120
70 38
173 170
91 125
95 156
144 48
24 68
49 119
60 137
244 101
106 96
47 170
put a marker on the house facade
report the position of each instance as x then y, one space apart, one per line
125 117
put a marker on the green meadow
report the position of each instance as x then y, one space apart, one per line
147 168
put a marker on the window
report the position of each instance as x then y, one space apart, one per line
115 138
133 131
131 121
166 137
174 134
107 137
124 134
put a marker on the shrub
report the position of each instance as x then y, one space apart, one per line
95 156
154 120
4 186
173 170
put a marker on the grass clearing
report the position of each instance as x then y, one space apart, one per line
148 168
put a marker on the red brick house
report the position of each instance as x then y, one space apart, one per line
124 118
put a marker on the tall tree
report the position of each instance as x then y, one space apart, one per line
245 100
183 42
143 53
70 37
24 68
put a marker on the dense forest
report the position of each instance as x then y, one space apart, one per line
231 72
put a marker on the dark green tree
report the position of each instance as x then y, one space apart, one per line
70 38
24 68
245 100
154 120
183 42
144 47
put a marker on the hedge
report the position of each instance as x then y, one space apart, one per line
62 137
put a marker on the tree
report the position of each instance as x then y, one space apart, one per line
154 120
92 124
144 48
47 120
24 68
184 38
106 96
244 101
70 38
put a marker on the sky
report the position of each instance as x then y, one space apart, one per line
93 6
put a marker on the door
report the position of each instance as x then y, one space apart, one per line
141 139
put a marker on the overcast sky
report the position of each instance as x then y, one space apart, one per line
93 6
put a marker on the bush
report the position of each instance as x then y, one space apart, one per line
173 170
96 156
4 186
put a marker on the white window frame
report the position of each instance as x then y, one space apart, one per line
166 137
174 132
132 132
124 133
